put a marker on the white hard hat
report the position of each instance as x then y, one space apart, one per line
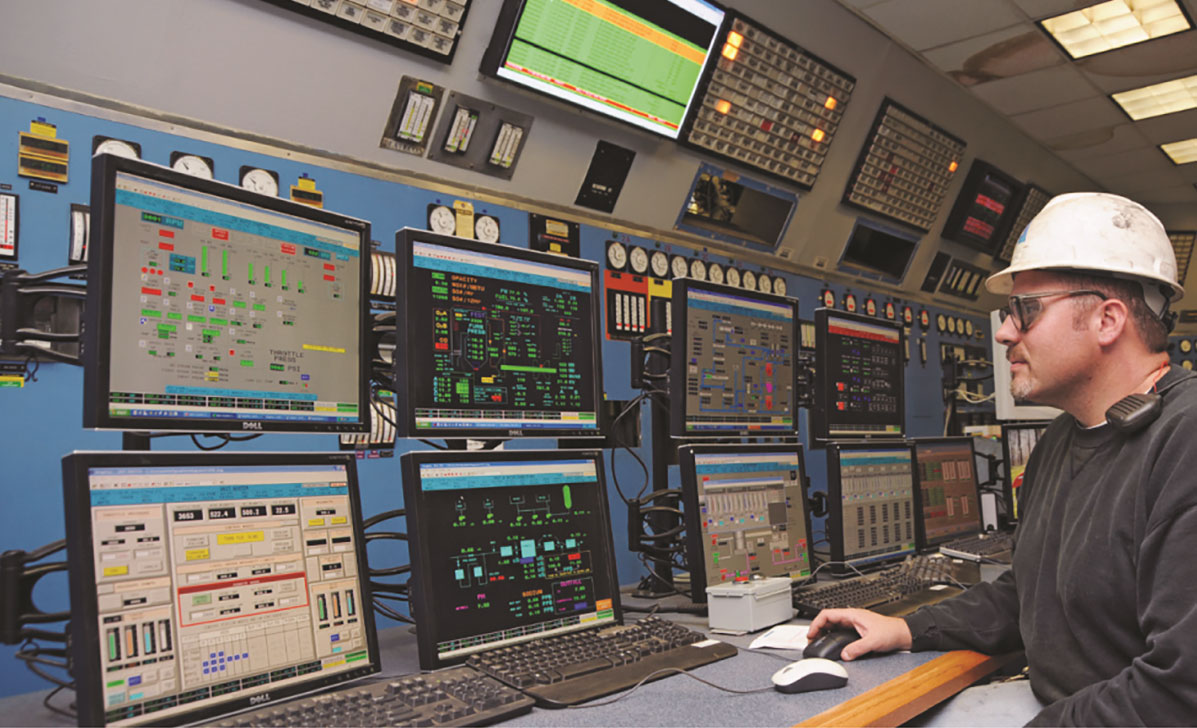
1100 232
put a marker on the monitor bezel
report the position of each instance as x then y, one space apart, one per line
687 459
405 306
834 527
1007 481
678 343
96 344
920 529
84 645
423 604
819 425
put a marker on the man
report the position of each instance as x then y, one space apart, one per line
1102 593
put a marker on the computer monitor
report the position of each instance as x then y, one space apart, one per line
499 341
948 502
734 362
206 583
1018 439
746 514
859 373
870 493
213 308
507 546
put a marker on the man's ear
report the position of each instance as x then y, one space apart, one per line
1112 320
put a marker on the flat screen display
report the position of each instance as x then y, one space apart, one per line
859 373
871 509
949 502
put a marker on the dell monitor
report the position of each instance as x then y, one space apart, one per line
507 547
207 583
948 499
746 514
859 371
734 362
499 341
870 493
213 308
1018 440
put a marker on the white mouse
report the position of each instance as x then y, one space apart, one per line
813 673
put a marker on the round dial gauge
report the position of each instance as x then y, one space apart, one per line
951 324
748 280
870 307
193 165
442 220
764 283
486 229
715 273
779 286
678 266
968 327
659 263
828 298
1186 346
117 147
890 312
698 269
617 255
1187 364
924 319
941 323
260 181
850 303
733 277
639 260
908 314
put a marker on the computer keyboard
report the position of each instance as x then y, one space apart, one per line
895 591
581 666
986 547
457 696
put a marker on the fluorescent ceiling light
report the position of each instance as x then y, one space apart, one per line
1181 152
1159 99
1114 24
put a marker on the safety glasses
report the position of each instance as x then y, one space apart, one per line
1027 307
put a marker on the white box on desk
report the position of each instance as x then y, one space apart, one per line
748 606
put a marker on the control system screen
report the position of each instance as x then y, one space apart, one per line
949 499
873 488
859 377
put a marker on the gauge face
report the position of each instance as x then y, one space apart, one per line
117 147
951 325
660 263
748 280
678 266
698 269
1186 345
924 319
849 303
890 312
941 323
442 220
733 277
968 327
764 283
1187 364
261 181
617 255
486 229
193 165
908 314
638 259
715 273
870 307
779 286
828 298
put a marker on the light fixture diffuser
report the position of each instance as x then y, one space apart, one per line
1182 152
1179 94
1114 24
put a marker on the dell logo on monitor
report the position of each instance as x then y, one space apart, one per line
251 425
259 699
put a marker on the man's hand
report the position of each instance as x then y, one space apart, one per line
877 633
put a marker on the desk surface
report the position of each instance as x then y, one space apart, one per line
896 684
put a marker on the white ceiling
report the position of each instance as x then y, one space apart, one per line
995 49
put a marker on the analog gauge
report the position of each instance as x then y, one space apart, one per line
968 327
779 286
442 220
951 324
908 314
486 229
924 319
870 307
192 164
960 326
1186 346
748 280
850 303
890 312
715 273
764 283
617 255
941 323
828 298
638 258
733 277
262 181
1187 364
660 263
698 269
678 266
120 148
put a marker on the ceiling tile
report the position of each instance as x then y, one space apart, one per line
1143 182
1039 9
1036 90
1182 193
923 24
1143 64
1098 142
1170 127
1008 52
1070 118
1135 161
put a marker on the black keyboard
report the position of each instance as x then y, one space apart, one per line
895 591
457 696
581 666
986 547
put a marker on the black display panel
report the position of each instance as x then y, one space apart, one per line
876 250
213 308
637 61
746 514
1018 441
871 506
734 361
207 583
983 209
507 546
859 373
948 500
498 341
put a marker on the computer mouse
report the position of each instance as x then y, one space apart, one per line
830 643
812 673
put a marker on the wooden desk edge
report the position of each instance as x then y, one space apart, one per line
902 698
